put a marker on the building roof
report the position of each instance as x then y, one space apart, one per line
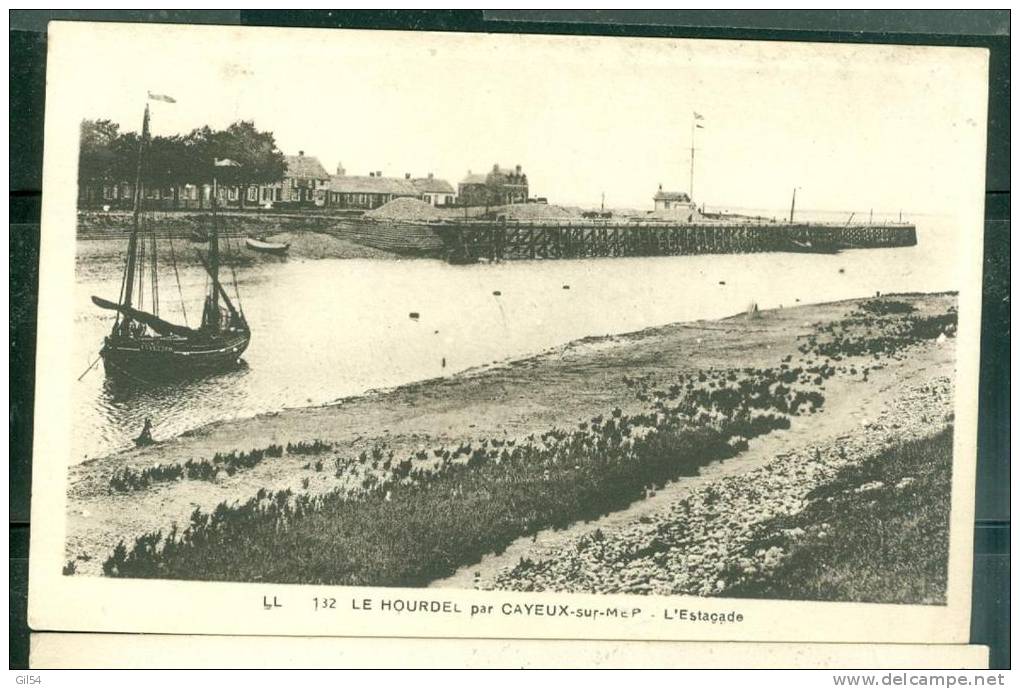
672 196
432 185
358 184
506 169
305 167
474 178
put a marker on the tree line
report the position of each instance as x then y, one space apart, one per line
109 156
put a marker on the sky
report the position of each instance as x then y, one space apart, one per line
853 127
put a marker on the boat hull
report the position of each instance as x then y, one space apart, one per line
168 358
816 247
267 247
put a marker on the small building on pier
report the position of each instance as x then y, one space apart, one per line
676 206
672 200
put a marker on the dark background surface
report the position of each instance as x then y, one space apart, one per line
989 29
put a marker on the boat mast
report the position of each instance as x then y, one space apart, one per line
214 251
793 204
129 272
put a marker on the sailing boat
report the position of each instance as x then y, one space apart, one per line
144 347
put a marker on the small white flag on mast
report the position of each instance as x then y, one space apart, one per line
161 97
695 119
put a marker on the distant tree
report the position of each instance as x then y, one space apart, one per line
199 151
167 164
109 155
260 161
97 156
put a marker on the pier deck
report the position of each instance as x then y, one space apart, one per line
468 242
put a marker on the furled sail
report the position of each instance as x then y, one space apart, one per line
219 288
157 324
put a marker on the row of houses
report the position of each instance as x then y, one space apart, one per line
306 183
365 192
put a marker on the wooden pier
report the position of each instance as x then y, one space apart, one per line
469 242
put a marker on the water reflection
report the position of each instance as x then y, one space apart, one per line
124 391
123 404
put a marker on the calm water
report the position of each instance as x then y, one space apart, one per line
328 329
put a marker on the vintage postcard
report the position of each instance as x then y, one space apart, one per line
511 336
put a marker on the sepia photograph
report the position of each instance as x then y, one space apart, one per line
472 334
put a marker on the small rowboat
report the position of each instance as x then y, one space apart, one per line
266 247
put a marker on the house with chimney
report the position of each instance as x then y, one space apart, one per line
305 183
365 192
499 187
435 191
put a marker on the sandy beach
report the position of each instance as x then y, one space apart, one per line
685 543
514 400
772 477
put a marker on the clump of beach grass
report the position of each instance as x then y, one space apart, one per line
411 520
885 307
878 533
129 479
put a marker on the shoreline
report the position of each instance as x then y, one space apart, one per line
100 257
511 400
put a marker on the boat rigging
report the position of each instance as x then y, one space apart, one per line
143 346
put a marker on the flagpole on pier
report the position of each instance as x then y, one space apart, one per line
694 125
691 183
